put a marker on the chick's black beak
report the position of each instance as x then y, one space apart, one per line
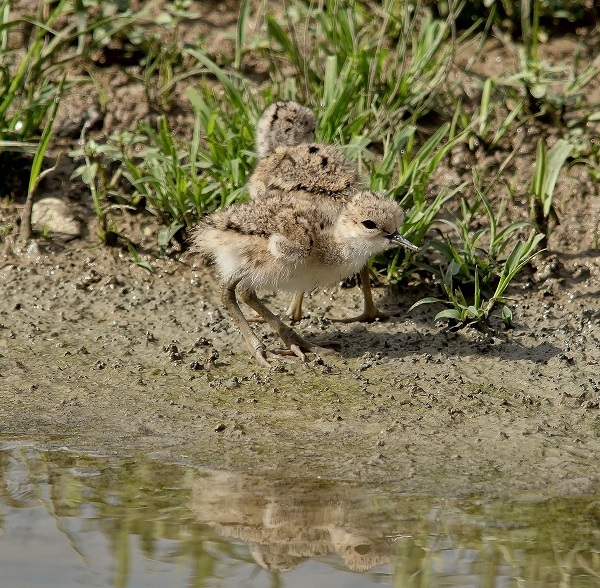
397 239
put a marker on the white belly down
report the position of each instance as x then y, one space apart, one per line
305 277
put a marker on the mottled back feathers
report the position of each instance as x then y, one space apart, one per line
284 123
294 244
310 169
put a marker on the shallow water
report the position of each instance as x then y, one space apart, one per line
72 519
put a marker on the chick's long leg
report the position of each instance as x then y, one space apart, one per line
294 310
254 344
295 343
370 312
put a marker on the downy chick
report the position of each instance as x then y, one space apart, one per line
310 170
280 242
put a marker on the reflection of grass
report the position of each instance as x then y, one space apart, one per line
132 497
552 542
541 542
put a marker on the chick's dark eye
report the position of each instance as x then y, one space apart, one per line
369 224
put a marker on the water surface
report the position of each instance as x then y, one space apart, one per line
71 519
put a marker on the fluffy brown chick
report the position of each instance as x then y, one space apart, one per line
282 242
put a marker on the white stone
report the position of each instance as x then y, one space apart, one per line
53 215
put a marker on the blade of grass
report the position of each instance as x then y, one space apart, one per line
556 158
241 33
35 175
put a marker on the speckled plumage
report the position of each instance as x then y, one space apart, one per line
319 172
288 243
308 170
284 123
250 239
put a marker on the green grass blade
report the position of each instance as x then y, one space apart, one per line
450 313
288 46
506 123
235 96
429 300
537 182
330 80
18 146
240 33
484 108
38 158
555 160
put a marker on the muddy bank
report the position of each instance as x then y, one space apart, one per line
96 352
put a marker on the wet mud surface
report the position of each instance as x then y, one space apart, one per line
106 355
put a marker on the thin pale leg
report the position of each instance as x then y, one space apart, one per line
294 342
294 310
370 312
254 344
